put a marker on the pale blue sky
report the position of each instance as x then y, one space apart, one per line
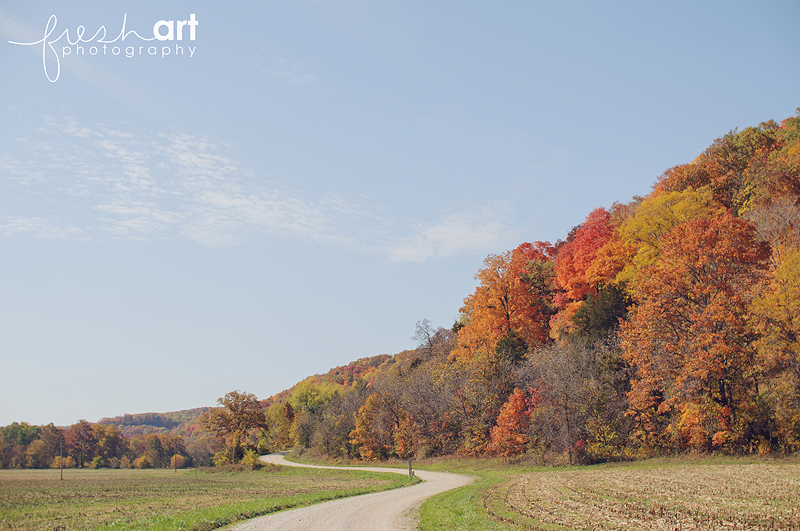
318 176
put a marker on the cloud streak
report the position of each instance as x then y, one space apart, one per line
112 183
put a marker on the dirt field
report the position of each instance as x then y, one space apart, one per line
676 497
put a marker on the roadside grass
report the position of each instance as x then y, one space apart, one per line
680 493
158 500
461 509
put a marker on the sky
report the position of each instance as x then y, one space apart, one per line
285 187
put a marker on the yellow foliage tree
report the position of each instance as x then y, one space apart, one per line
655 217
777 316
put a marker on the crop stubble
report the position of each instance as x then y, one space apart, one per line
690 497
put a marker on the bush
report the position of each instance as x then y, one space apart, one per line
251 460
222 458
69 462
143 462
98 462
177 461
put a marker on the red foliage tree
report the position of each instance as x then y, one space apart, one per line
577 255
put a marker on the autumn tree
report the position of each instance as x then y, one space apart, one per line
509 298
510 435
732 168
376 423
780 176
81 442
110 443
688 336
239 417
485 383
777 317
37 454
654 218
573 263
312 396
579 253
279 421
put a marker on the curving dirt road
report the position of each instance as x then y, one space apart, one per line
382 511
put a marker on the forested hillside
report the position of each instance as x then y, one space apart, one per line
661 325
665 324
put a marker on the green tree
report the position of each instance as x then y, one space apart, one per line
602 313
20 434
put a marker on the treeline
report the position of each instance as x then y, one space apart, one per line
664 325
101 445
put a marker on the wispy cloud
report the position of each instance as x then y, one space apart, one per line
113 183
37 227
475 230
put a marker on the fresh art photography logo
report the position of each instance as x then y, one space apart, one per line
163 30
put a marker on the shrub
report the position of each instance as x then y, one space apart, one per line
69 462
251 460
222 458
177 461
143 462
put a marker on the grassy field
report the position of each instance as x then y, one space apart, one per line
657 494
168 500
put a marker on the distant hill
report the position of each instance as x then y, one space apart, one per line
184 423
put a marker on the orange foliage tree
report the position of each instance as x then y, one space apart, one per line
511 300
510 435
377 421
688 337
655 217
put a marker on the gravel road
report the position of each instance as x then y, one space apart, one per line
383 511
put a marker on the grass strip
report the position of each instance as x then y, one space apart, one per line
462 509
